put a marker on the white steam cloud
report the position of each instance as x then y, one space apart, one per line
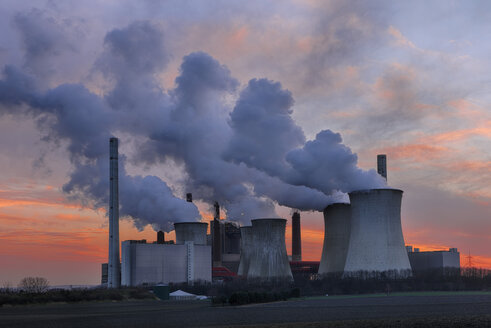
247 156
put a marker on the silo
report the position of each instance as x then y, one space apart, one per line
376 240
191 231
246 246
269 259
336 238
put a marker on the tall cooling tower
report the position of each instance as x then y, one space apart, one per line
269 259
114 270
191 231
336 238
246 247
376 241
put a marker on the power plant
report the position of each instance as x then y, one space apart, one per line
364 235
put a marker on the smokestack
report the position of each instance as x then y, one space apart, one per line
114 273
296 238
189 197
160 237
216 243
382 165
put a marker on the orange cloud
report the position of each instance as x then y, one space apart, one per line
419 152
399 38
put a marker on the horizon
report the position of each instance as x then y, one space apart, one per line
177 83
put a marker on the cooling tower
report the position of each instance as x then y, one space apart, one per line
376 241
268 255
296 238
246 246
114 270
336 238
191 231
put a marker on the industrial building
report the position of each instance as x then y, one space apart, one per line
188 260
227 244
433 260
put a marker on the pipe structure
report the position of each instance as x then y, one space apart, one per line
269 259
376 240
336 238
296 238
246 247
114 269
191 231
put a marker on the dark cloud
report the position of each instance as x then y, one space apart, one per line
44 39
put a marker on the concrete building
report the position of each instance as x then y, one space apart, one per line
423 261
191 231
376 240
296 238
246 247
269 259
336 238
188 260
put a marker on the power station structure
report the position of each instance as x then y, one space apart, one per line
268 258
433 260
187 261
365 235
376 240
382 165
296 238
246 247
114 273
337 229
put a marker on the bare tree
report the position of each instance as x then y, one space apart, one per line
34 284
7 287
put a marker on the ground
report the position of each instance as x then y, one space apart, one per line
398 310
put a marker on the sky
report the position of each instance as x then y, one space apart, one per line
265 106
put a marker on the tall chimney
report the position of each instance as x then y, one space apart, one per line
382 165
296 238
160 237
216 243
114 271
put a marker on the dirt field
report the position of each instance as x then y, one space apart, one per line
425 310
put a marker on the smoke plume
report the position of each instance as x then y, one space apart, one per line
247 154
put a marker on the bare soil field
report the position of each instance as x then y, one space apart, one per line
424 310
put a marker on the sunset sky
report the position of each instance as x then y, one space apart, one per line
410 79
